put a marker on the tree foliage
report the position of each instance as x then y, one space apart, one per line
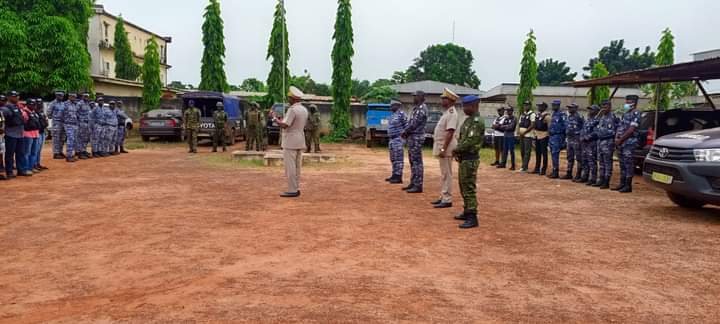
253 85
379 94
309 86
665 56
43 45
617 58
399 77
528 72
360 88
278 50
125 66
181 86
212 74
448 63
597 94
342 55
554 73
152 85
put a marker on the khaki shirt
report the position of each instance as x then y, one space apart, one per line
543 134
293 137
448 121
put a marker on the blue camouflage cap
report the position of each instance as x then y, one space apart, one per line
556 102
470 99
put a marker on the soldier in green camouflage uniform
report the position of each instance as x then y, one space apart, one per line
312 130
191 124
220 118
253 129
468 154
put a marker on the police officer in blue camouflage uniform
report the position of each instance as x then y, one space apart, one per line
575 123
55 112
71 121
83 127
558 126
415 135
589 147
605 133
111 129
626 141
96 124
396 127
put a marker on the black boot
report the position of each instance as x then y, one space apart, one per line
395 180
390 178
543 172
471 221
462 216
598 183
536 171
620 186
568 175
605 184
555 174
628 186
579 177
122 150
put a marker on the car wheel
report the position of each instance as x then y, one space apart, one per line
684 201
146 138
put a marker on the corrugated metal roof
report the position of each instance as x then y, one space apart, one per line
691 71
510 89
434 88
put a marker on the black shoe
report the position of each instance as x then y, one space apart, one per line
115 153
122 150
415 190
63 156
555 174
214 151
396 181
461 217
443 205
388 179
512 168
605 184
500 166
290 194
628 186
543 172
523 170
583 179
620 186
83 157
408 187
24 174
568 176
58 157
591 183
496 163
3 177
71 160
471 221
224 149
535 172
436 202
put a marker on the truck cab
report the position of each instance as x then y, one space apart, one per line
378 119
207 102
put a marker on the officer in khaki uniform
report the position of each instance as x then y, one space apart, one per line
293 140
255 123
444 144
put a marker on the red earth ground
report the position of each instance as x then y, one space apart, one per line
162 236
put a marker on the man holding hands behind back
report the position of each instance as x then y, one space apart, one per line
293 140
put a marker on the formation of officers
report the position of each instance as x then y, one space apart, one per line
590 141
74 123
463 147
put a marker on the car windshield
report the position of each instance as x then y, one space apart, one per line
434 117
160 113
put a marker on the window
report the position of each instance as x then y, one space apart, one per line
106 28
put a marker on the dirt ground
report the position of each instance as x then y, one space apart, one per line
161 236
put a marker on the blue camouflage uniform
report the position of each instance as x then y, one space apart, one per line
605 133
110 130
121 118
415 133
575 123
625 150
71 120
396 126
84 131
96 122
55 111
558 126
590 149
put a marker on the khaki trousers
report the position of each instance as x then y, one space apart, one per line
293 163
446 179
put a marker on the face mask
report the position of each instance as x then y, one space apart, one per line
628 107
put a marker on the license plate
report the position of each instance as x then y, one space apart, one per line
662 178
384 122
157 124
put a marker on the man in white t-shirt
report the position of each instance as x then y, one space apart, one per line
293 141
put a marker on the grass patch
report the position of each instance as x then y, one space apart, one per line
227 162
135 142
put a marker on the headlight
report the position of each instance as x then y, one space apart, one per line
707 155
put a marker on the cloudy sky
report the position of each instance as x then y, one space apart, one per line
390 33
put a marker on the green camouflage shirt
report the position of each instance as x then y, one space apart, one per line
191 118
220 117
472 134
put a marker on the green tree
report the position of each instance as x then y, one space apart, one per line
382 83
253 85
554 73
448 63
597 94
399 77
379 94
179 85
617 58
212 74
152 85
125 66
360 88
342 55
528 72
33 33
665 56
279 78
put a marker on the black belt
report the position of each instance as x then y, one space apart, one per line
469 156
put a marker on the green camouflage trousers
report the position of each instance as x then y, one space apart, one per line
468 183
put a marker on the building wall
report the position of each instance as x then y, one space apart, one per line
101 38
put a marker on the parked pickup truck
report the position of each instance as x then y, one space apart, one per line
378 117
206 102
687 166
